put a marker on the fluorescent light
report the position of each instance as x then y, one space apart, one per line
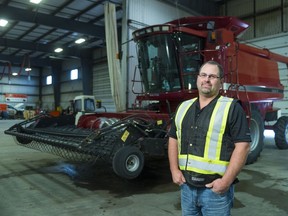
14 74
80 40
3 22
35 1
58 50
28 69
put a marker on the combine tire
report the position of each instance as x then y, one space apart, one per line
281 132
257 137
128 162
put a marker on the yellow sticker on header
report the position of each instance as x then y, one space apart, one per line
125 136
159 122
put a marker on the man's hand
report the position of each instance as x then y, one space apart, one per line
218 186
178 177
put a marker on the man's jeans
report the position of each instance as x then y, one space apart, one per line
204 202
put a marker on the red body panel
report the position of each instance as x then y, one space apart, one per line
251 74
97 120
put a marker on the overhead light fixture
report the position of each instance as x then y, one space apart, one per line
80 40
3 22
14 74
58 50
35 1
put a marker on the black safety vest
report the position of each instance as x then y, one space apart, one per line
209 162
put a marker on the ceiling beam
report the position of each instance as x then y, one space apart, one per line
17 61
17 14
68 51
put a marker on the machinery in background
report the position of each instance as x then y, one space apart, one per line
169 56
10 112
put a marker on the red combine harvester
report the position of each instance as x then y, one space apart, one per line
169 57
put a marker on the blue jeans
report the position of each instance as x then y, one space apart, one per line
204 202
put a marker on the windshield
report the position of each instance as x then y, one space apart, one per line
190 58
157 63
169 61
88 103
77 105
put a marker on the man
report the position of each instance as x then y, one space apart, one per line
208 146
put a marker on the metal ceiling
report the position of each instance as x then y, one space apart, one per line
36 30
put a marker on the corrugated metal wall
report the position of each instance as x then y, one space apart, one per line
102 87
101 80
238 8
265 17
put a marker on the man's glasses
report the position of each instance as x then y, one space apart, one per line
210 76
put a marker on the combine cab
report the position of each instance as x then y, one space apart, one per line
169 56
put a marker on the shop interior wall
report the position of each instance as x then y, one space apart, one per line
268 29
68 88
47 99
23 83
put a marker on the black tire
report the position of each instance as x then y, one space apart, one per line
281 132
257 137
128 162
22 141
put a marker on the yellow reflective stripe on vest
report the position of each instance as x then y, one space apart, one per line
181 112
202 165
216 128
210 163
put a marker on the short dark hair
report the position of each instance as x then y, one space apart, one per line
220 68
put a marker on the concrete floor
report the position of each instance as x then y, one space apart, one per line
34 183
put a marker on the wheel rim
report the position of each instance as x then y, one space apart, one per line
254 130
132 163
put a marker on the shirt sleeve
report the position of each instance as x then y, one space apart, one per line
239 128
172 130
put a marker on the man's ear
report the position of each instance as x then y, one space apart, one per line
222 81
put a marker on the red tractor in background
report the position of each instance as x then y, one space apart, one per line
169 57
